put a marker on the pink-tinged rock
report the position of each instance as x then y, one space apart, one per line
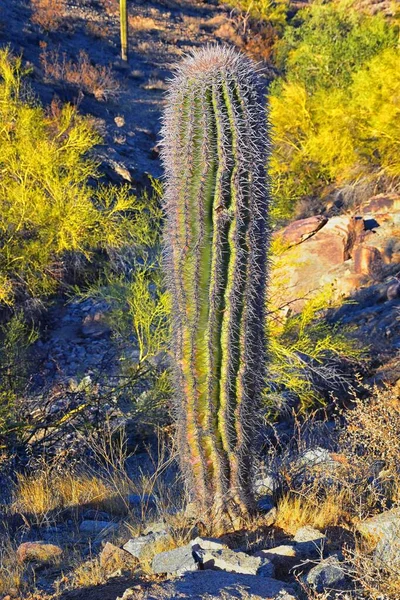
112 557
38 552
367 260
381 204
300 230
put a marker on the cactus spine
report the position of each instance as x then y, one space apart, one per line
216 236
124 28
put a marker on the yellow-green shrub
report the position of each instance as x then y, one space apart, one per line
48 207
334 110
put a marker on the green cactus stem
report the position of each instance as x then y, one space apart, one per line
215 147
124 29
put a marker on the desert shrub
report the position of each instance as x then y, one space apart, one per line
139 315
334 109
371 442
49 14
48 209
309 357
274 11
326 43
81 73
16 336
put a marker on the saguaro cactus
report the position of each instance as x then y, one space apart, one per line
216 203
123 10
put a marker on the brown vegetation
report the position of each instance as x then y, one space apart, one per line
97 80
49 14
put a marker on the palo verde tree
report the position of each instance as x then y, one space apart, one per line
215 146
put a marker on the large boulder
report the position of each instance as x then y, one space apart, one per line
217 585
344 251
384 531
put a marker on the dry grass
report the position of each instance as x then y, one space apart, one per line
97 80
371 443
139 23
11 572
41 498
48 14
295 510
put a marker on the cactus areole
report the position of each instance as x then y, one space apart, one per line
216 235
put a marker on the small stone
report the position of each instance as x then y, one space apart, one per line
38 552
119 121
309 542
112 558
175 562
328 575
94 527
236 562
139 546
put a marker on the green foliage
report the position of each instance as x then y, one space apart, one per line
48 208
335 109
308 355
327 43
139 314
15 339
274 11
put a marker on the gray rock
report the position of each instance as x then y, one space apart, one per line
139 546
328 575
207 544
384 529
94 527
278 554
309 542
217 585
383 525
176 562
235 562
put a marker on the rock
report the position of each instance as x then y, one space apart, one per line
94 527
208 544
266 485
38 552
300 230
284 558
94 515
384 531
139 546
393 290
235 562
309 542
275 554
216 585
380 526
367 260
381 203
95 326
176 562
119 121
328 575
113 558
